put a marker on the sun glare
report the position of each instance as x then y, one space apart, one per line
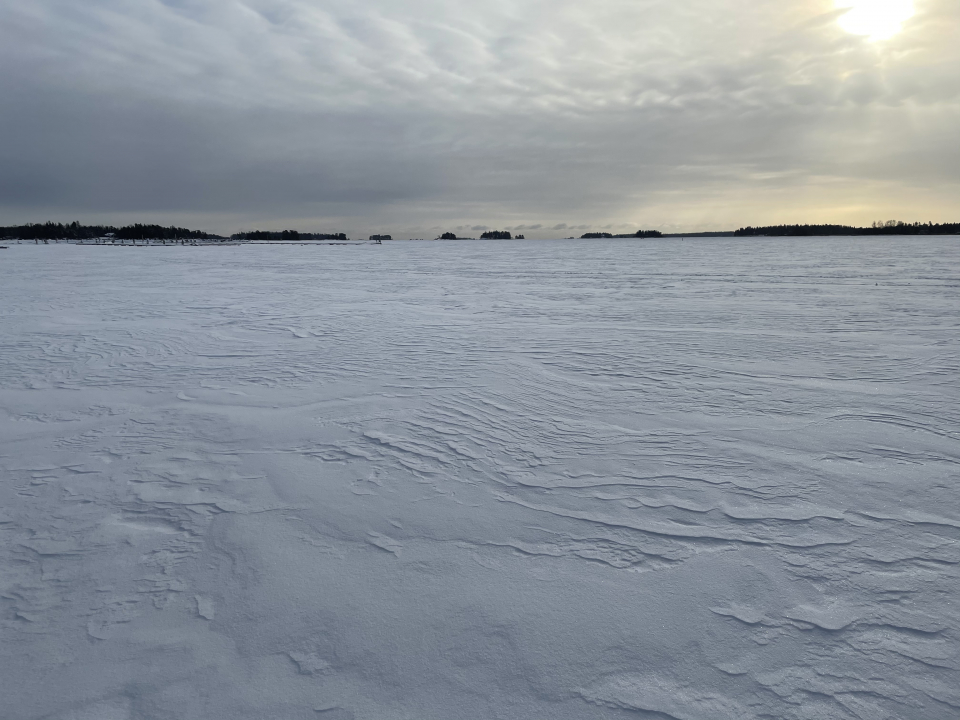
877 19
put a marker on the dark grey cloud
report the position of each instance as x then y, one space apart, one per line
539 116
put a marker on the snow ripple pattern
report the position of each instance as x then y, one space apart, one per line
430 481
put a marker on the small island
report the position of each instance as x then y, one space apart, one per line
288 235
637 234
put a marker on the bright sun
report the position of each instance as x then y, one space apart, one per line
877 19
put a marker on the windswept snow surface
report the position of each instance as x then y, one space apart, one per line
530 480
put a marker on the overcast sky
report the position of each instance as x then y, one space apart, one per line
547 117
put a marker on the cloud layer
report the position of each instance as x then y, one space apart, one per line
412 116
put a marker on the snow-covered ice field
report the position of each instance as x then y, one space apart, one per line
701 480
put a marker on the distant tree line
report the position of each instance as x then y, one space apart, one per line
76 231
56 231
156 232
286 235
448 236
637 234
496 235
888 227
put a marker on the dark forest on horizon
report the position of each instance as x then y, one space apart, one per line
637 234
75 231
891 227
290 235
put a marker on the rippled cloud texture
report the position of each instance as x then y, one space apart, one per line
417 115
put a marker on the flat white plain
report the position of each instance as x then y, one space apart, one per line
428 481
